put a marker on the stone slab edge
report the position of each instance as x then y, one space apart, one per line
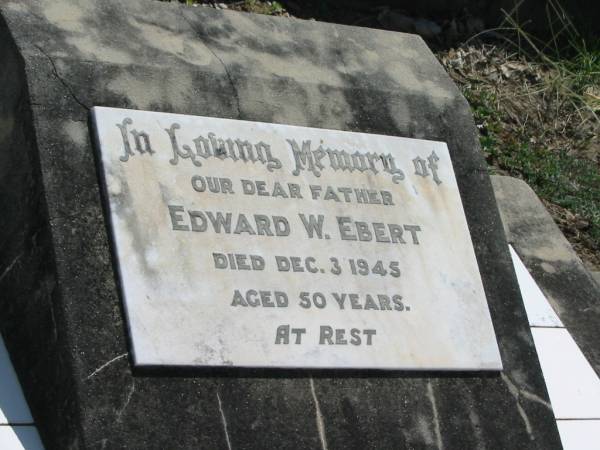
547 254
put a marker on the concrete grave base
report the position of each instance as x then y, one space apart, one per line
60 312
569 287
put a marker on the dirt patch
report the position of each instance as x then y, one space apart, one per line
533 125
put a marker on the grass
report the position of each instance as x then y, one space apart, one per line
260 7
556 175
254 6
574 60
536 103
560 175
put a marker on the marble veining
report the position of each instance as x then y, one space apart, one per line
262 245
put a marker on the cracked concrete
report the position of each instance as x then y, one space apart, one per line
121 411
10 266
436 421
61 79
105 365
228 73
224 421
516 393
318 416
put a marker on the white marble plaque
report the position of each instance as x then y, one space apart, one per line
260 245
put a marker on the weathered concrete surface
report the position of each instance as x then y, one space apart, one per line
569 287
60 312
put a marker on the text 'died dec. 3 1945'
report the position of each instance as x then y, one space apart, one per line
261 245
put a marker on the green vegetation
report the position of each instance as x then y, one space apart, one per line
551 161
259 7
539 121
574 61
255 6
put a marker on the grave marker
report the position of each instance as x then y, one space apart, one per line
61 311
261 245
